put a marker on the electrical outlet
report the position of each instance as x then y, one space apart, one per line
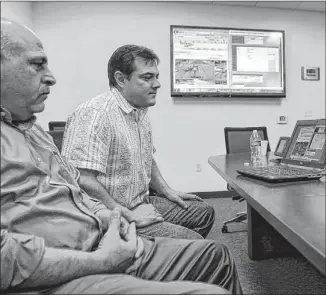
282 120
198 167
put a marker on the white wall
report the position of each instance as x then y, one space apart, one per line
18 11
80 37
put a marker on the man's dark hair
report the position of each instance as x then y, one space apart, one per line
123 60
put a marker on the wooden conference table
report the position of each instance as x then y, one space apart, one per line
283 219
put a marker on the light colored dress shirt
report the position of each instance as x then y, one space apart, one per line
41 202
108 135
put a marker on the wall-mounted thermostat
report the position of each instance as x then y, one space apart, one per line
282 120
310 73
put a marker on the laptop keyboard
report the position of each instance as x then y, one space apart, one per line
289 171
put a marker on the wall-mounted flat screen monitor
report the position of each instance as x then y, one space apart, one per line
209 61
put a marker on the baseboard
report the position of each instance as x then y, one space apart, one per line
214 195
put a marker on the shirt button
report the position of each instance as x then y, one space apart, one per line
39 159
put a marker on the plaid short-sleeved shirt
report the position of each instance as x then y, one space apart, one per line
108 135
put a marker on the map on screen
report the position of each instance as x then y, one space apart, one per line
227 62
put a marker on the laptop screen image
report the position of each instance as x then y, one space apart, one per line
307 144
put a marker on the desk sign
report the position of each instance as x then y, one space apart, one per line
310 73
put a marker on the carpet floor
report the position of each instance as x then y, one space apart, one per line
270 276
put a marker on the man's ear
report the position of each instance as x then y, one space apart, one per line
119 78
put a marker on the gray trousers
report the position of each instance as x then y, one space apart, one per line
168 266
195 222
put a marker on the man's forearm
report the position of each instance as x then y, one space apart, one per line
157 182
95 189
59 266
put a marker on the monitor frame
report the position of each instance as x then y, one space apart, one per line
286 138
218 93
304 123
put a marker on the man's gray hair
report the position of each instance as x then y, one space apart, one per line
6 45
10 44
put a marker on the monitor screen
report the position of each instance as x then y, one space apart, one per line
308 144
209 61
281 146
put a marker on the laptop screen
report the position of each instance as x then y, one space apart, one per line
307 144
281 145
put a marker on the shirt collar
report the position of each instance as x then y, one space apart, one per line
126 106
21 125
5 115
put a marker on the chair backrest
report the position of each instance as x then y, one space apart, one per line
57 125
57 136
237 139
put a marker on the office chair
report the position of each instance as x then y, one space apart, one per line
57 125
237 140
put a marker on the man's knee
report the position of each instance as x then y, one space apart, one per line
206 211
222 252
216 249
209 209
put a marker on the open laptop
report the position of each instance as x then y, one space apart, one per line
280 149
303 159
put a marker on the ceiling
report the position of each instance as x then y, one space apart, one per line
318 6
